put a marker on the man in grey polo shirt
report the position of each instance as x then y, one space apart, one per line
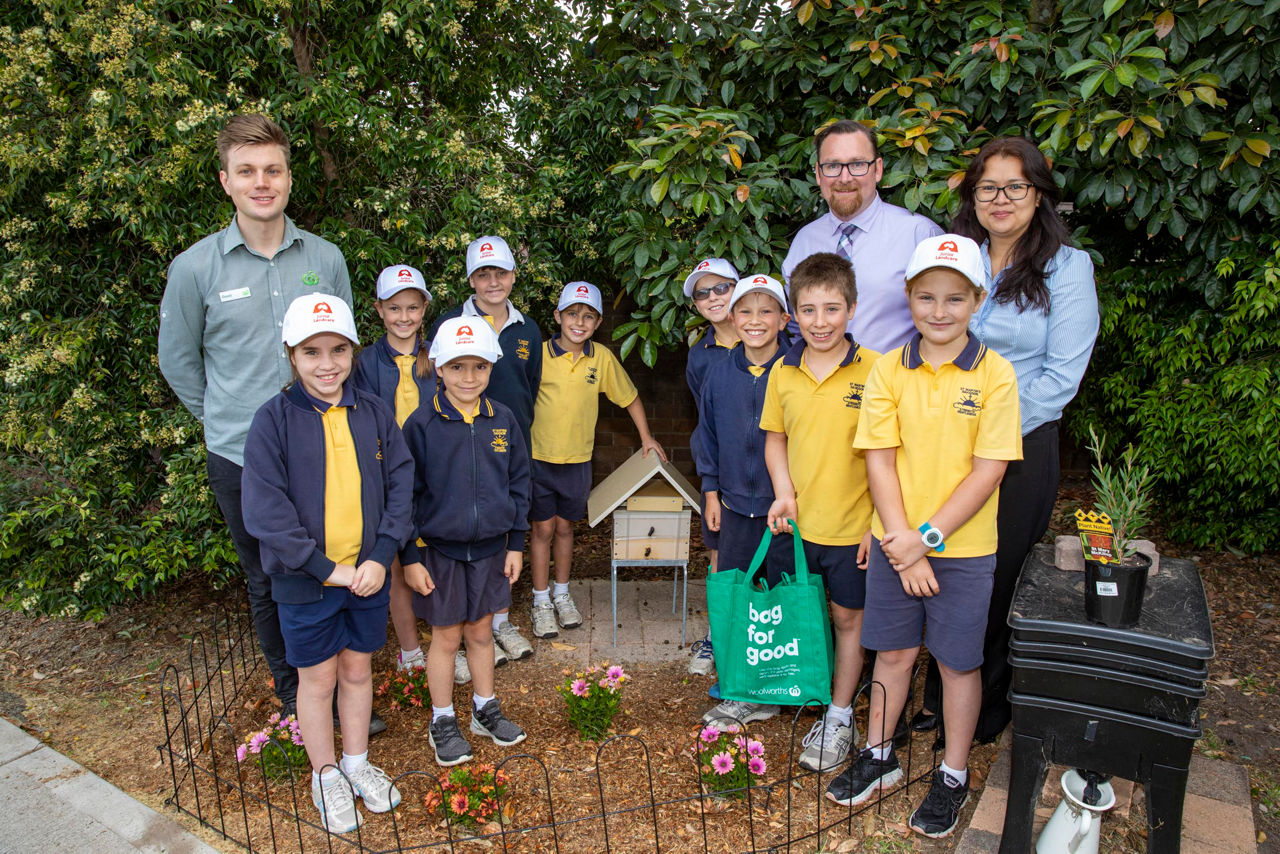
220 333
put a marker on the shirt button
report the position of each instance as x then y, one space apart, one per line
275 293
273 263
280 324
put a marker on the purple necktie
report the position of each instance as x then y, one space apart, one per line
844 248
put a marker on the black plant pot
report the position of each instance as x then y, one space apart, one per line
1113 592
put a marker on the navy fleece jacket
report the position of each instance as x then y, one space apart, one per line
471 481
282 489
376 371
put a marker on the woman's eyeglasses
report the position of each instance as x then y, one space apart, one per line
1013 192
699 294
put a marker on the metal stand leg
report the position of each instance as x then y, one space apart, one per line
684 601
613 597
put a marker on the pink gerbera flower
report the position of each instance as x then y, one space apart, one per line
754 748
615 673
579 687
756 766
242 752
722 763
709 734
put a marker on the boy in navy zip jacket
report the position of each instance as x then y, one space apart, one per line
327 491
471 511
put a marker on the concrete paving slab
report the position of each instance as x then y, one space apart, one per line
14 743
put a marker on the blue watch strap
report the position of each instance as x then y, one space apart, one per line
925 530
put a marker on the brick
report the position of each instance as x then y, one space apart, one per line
1208 822
978 841
1219 780
989 816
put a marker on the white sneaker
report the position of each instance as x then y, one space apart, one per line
544 620
827 745
415 660
374 787
512 641
724 715
499 655
704 658
567 613
461 672
337 805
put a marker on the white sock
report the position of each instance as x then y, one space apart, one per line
953 778
410 654
478 702
881 753
328 778
351 764
443 712
542 597
498 619
558 589
840 714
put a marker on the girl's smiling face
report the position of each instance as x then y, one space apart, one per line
758 318
323 363
711 305
402 317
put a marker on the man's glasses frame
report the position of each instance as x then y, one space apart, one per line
857 168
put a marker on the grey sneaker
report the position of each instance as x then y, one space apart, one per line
544 620
827 745
461 672
567 612
415 660
337 805
512 642
375 788
488 720
499 655
447 741
729 711
704 658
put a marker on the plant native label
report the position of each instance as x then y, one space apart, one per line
775 659
1097 537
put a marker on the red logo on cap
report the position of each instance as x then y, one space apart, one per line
583 291
704 265
322 308
948 244
405 273
759 280
464 330
486 247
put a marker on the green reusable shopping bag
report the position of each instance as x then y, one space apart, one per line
772 645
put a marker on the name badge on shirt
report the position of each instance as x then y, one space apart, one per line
238 293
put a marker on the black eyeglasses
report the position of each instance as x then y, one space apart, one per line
699 294
1015 192
857 168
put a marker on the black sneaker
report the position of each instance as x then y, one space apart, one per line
863 778
451 748
488 720
940 812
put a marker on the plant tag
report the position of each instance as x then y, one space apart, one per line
1107 588
1097 538
238 293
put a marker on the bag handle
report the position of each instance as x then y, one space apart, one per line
762 550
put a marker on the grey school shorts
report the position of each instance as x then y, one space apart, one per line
466 591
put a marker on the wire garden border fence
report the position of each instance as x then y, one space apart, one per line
209 785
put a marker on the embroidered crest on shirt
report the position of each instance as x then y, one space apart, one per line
523 349
593 376
379 454
499 443
310 279
968 404
853 400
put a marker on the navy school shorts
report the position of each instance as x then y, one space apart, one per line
465 590
560 489
314 632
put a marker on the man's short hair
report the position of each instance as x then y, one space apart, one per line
250 129
841 127
824 270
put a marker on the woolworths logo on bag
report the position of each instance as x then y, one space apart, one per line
762 643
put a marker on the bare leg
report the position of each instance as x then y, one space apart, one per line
315 711
714 556
961 701
479 637
444 646
355 700
563 549
402 617
893 672
848 653
540 553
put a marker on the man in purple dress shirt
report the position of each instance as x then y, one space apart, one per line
877 237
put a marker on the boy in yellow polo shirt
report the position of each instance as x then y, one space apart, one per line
575 372
811 412
939 426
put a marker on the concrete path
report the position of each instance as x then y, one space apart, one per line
50 804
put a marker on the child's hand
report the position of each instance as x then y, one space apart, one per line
369 578
511 569
903 548
711 520
342 576
418 579
864 551
780 511
918 579
651 444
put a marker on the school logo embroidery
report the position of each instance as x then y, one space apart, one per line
593 376
499 443
523 349
853 400
379 454
968 404
322 308
311 279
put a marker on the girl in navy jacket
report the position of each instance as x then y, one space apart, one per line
327 490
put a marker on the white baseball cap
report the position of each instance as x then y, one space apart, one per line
465 336
718 266
489 251
580 292
952 251
758 282
316 313
399 277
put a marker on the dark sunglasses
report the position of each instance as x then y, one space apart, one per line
699 294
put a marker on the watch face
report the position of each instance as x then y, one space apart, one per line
932 538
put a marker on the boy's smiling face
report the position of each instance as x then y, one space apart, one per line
578 323
492 286
713 306
402 316
758 319
465 379
942 301
822 315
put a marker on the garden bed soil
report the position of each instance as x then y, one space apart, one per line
91 691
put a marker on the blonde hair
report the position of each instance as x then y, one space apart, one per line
250 129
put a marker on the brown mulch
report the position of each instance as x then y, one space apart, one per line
91 691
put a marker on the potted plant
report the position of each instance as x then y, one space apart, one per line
1115 571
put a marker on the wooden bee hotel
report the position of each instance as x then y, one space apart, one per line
652 529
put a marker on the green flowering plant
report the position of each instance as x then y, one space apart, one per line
592 697
406 689
729 762
471 794
287 756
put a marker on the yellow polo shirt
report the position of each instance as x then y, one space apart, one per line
939 419
568 404
343 517
820 420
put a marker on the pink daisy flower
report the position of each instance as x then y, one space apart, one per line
756 766
754 748
616 673
722 763
579 687
709 734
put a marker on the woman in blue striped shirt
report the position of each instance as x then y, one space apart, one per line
1041 315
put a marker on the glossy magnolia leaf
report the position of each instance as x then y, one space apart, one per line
1164 24
1110 7
1260 146
658 191
742 192
804 12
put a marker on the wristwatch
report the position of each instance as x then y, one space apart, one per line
932 537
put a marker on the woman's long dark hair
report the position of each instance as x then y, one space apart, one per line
1023 282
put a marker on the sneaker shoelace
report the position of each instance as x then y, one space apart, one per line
822 729
336 796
